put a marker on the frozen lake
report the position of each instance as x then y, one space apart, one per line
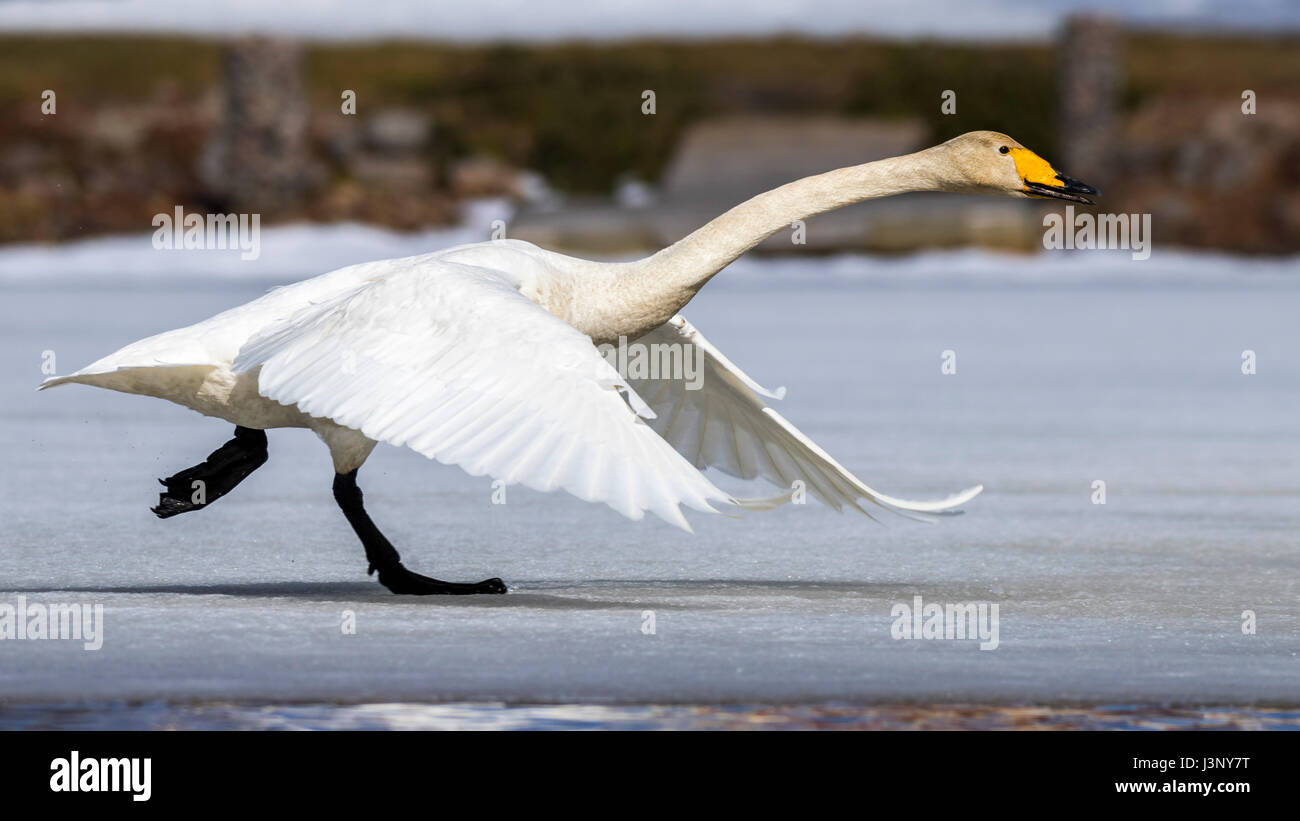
1068 372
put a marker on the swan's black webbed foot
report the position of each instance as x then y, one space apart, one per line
409 583
384 557
206 482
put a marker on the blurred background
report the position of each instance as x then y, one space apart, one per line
543 107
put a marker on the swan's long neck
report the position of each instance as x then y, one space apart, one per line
663 283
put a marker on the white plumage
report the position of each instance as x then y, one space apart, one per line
727 425
452 360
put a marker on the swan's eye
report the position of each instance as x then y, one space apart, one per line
1003 150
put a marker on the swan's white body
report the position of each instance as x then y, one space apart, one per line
484 356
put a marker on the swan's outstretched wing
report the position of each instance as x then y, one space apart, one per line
453 362
726 424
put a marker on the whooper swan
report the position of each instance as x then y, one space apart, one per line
485 356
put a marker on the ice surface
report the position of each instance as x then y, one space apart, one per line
1125 372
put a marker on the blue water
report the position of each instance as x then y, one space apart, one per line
556 717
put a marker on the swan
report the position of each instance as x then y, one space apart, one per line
486 356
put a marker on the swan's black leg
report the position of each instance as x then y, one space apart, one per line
206 482
383 556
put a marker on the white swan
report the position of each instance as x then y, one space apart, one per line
485 356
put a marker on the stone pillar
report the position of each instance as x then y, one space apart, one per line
1091 76
259 156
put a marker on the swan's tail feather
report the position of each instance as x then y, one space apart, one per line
96 378
55 381
172 382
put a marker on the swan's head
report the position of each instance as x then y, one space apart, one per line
987 160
